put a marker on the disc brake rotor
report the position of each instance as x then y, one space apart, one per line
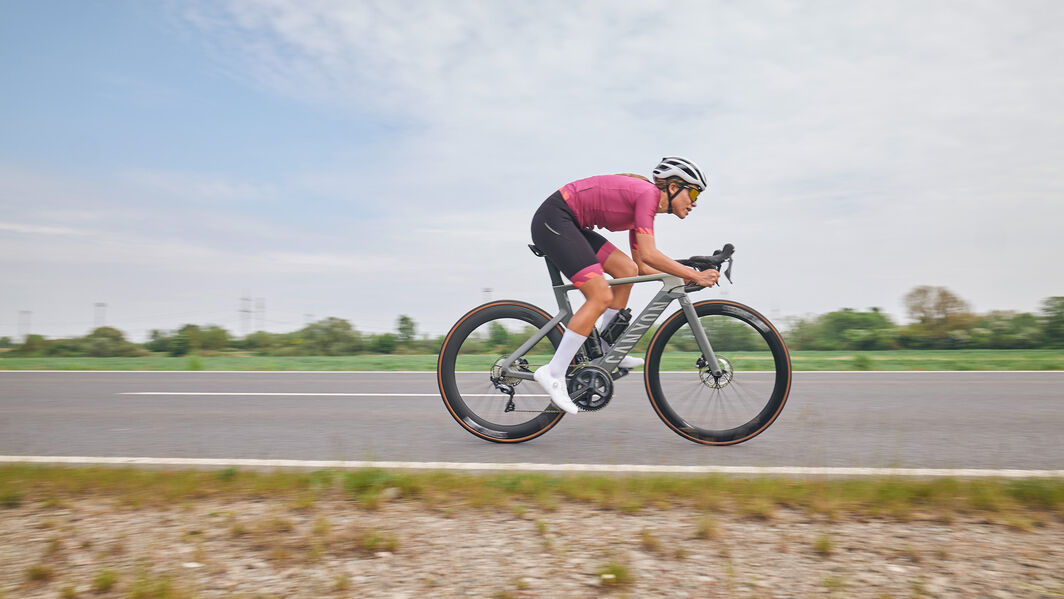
496 371
713 382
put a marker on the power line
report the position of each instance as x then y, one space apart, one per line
260 310
245 313
24 317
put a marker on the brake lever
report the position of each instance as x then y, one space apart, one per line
693 287
692 262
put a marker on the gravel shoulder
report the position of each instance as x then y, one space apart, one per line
224 547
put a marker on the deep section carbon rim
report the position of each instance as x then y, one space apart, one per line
469 372
723 410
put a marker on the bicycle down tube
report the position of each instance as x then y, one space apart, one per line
672 289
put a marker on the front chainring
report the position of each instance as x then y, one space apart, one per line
590 387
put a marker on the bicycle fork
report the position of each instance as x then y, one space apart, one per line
708 356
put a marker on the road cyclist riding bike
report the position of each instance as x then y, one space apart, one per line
562 229
716 372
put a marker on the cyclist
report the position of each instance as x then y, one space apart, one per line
562 229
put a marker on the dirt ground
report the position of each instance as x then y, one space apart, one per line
245 548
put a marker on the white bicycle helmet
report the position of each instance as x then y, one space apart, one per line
674 166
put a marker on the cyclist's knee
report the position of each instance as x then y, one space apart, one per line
597 293
607 297
627 268
601 297
620 265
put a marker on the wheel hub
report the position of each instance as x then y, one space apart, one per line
713 382
512 381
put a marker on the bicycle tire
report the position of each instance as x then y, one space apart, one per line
473 400
747 399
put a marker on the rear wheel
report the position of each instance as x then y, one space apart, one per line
723 410
469 372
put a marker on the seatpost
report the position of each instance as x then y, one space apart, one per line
555 275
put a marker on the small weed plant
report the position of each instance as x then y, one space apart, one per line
649 542
706 528
105 581
10 499
823 545
39 573
615 574
148 586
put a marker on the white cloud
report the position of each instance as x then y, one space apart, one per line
855 150
42 230
768 96
195 188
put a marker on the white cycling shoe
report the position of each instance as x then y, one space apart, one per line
556 388
627 362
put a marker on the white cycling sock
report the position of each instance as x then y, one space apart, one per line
607 318
571 342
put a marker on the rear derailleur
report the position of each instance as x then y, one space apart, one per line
508 384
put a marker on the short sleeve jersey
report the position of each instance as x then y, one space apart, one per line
614 202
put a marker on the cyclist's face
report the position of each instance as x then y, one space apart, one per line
682 204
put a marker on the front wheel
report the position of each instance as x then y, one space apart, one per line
739 404
470 365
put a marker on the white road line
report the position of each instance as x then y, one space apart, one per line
258 394
531 467
433 372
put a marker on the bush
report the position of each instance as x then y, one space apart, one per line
259 341
32 346
104 342
179 346
383 344
844 329
331 337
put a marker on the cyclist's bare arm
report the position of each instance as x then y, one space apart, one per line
651 261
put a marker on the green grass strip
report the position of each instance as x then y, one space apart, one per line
1029 502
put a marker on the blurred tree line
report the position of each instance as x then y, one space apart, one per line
940 320
103 342
328 337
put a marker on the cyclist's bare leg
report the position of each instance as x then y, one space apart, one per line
619 265
597 297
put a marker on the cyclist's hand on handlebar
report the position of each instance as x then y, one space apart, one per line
706 278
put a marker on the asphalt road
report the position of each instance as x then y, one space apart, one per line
1012 420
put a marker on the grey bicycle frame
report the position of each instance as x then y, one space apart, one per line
672 288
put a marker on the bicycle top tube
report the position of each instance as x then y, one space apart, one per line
661 276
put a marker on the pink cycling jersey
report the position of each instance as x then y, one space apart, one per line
614 202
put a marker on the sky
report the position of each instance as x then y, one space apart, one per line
364 160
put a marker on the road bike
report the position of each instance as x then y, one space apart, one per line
722 393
